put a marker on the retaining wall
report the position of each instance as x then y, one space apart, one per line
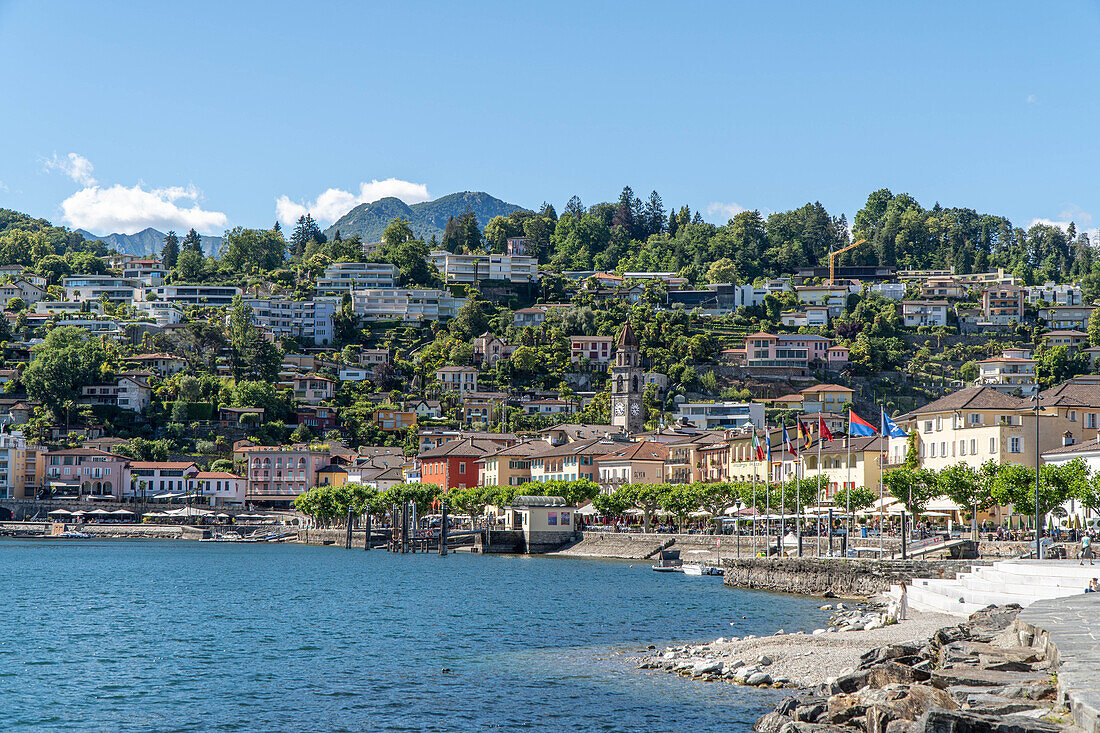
838 576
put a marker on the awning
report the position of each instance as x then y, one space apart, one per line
587 510
943 504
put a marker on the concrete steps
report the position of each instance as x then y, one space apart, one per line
1008 581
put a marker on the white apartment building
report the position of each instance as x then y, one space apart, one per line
165 314
96 287
57 307
1067 295
400 304
893 291
708 415
148 271
916 313
311 320
472 268
340 277
1013 372
214 296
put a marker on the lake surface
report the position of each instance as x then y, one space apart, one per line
180 636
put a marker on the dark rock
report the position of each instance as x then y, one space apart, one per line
853 681
826 690
771 723
976 677
1007 665
947 635
787 705
995 617
892 673
884 653
961 693
962 721
810 713
898 726
799 727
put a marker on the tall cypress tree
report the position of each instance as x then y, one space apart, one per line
171 251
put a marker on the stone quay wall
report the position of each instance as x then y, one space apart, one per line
837 576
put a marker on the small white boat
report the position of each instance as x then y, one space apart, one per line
698 568
72 534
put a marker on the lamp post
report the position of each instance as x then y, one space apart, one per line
1037 398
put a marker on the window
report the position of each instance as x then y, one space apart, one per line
927 426
1073 415
943 449
1090 420
992 445
939 424
973 446
962 447
1015 445
931 450
975 418
462 468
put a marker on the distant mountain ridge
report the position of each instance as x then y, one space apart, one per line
426 218
147 242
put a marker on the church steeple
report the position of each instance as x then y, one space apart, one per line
627 410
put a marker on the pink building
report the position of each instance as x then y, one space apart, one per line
87 471
278 474
785 350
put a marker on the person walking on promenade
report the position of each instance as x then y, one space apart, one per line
1086 549
903 602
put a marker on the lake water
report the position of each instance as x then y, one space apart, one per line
180 636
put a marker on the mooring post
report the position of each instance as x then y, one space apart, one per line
405 528
366 525
347 530
414 523
443 527
830 533
395 537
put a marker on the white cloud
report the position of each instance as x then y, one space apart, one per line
127 210
335 202
75 166
1081 219
725 212
1032 99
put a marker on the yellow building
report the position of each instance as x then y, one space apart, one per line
332 475
685 457
976 425
845 465
510 466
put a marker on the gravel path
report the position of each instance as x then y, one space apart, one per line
806 660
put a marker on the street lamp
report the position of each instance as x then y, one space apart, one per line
1037 398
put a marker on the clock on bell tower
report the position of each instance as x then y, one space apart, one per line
627 410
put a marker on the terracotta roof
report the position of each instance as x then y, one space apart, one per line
1087 447
521 450
1066 332
590 447
217 474
973 398
642 451
465 448
826 388
162 465
627 337
86 452
456 369
1078 392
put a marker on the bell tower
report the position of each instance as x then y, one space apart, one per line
627 410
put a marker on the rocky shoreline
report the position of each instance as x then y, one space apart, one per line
980 675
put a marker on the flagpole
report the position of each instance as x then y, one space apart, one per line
755 461
881 471
798 497
768 491
848 482
819 440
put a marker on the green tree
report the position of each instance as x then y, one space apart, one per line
192 242
246 250
16 305
968 488
189 266
68 359
171 249
526 359
253 356
856 498
722 270
913 487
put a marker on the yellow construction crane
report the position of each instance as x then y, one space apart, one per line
832 259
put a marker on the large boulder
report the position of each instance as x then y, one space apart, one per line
771 722
844 707
912 702
962 721
892 673
977 677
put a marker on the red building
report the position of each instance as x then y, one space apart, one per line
454 465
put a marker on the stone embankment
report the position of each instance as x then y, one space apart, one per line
845 578
640 546
986 674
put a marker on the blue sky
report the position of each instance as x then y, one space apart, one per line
119 115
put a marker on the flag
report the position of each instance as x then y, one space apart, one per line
768 445
823 429
890 429
858 426
757 448
788 444
804 433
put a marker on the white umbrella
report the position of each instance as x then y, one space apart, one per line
100 512
122 513
943 504
60 511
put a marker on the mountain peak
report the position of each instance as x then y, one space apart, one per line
426 218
